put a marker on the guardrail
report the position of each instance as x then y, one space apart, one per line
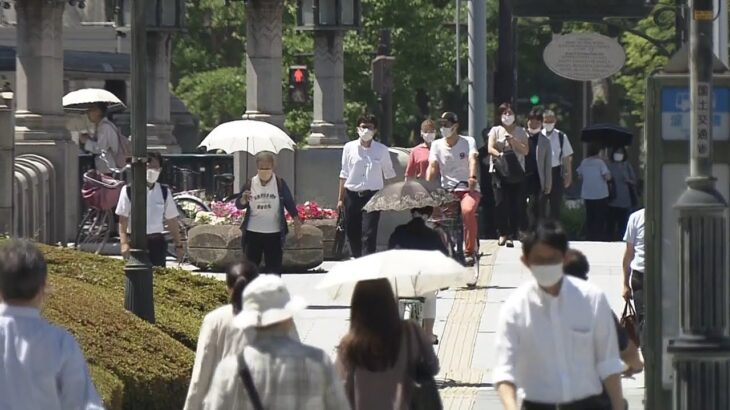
34 193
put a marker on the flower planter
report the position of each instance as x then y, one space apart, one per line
215 247
328 228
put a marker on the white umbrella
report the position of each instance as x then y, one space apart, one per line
247 136
81 100
412 273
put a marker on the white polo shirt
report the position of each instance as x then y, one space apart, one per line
554 138
158 210
363 169
635 236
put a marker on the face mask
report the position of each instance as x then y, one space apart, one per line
152 175
508 119
547 275
549 126
265 174
446 131
534 130
365 134
618 157
428 137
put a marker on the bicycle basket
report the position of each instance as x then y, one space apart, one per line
100 191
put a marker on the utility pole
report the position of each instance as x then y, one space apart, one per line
382 71
702 351
504 78
720 34
138 286
477 67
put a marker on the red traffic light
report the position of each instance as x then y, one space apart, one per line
298 75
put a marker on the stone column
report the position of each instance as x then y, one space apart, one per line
40 124
328 127
159 127
7 173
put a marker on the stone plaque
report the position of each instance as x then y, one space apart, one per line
584 56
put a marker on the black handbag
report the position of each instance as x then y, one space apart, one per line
245 374
424 392
508 167
338 245
611 189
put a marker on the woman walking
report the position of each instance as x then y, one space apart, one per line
375 356
218 338
595 174
508 145
418 158
619 207
265 197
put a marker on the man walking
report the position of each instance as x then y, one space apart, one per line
456 158
538 170
365 163
633 265
161 210
562 163
283 373
556 338
41 365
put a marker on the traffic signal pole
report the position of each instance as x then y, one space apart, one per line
477 43
702 351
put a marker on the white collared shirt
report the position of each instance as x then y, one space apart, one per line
159 210
554 138
635 236
42 365
557 349
363 169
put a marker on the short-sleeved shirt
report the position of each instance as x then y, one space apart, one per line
453 161
363 169
159 210
594 171
500 141
635 237
623 176
264 207
567 149
418 161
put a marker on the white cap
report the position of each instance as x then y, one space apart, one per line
266 301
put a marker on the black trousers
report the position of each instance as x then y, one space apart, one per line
637 293
616 222
536 207
554 199
511 209
157 250
267 245
361 227
596 215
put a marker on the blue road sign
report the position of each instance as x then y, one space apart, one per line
675 107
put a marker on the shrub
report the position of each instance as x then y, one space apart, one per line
153 368
181 299
110 388
572 217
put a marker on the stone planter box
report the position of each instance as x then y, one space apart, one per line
215 247
328 228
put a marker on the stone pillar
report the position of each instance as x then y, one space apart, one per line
159 127
40 124
328 127
7 173
264 61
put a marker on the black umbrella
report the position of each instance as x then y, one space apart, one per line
607 135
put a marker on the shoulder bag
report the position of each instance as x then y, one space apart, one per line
629 322
424 392
245 374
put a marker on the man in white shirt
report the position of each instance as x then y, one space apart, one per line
42 366
556 338
633 265
365 163
161 211
105 139
562 163
456 158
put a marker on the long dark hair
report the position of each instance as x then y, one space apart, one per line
238 276
374 339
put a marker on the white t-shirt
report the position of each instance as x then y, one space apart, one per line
594 172
635 236
453 161
554 138
159 210
264 207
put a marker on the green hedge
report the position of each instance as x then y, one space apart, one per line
153 368
181 299
110 388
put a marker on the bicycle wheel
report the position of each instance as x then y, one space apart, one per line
95 231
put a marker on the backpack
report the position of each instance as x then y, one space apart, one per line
561 138
124 148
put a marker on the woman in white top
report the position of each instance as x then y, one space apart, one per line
508 187
595 174
264 227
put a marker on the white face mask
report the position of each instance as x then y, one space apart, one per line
618 157
152 175
428 137
365 134
508 119
547 275
446 131
534 130
549 126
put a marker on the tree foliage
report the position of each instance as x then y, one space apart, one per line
216 96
